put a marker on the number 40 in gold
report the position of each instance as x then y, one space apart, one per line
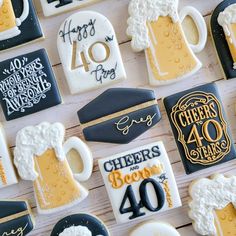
85 62
195 137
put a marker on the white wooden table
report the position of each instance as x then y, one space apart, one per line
98 203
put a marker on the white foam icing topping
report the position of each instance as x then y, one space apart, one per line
143 11
1 1
33 141
77 231
228 16
209 195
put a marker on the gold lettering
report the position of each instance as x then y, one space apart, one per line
117 180
108 52
201 113
212 108
128 179
124 124
195 114
188 117
181 115
16 232
206 134
194 137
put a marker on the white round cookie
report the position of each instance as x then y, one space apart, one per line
153 228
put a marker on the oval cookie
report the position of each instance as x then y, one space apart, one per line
80 223
154 229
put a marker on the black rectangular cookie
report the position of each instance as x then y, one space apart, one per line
15 218
200 127
119 115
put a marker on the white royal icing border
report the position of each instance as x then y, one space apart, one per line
142 11
6 161
154 228
207 196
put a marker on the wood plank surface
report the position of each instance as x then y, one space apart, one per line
98 203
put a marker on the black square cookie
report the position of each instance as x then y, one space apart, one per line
19 23
27 85
200 127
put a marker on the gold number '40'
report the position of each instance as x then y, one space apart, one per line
85 62
195 137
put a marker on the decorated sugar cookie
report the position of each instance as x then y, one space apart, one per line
155 26
153 228
140 182
89 52
119 115
223 29
15 218
80 225
53 7
200 127
27 85
7 173
213 205
40 156
17 17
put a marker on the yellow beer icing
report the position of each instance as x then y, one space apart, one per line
169 47
55 185
231 42
7 16
226 221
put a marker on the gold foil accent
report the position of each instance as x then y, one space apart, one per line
13 217
168 194
118 114
2 174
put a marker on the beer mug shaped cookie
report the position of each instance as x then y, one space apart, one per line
213 205
223 29
41 157
16 17
155 26
9 25
89 52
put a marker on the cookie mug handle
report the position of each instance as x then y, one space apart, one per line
24 14
200 24
85 154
